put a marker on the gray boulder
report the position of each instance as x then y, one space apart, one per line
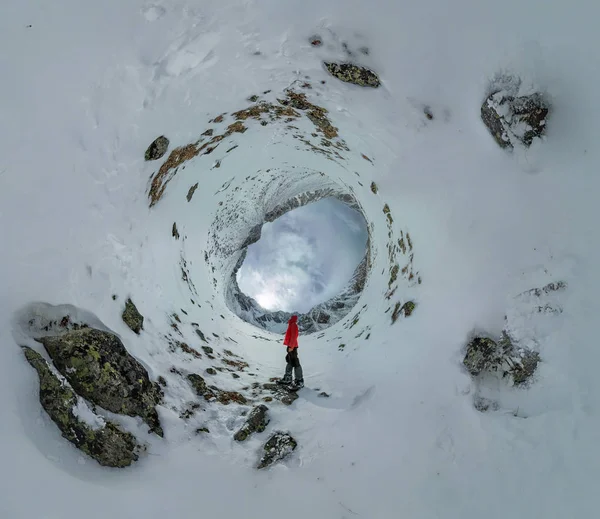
132 317
257 421
157 149
277 447
513 119
503 358
354 74
108 445
100 369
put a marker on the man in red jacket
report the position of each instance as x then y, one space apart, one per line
293 362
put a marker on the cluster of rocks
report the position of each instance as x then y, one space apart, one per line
96 367
502 358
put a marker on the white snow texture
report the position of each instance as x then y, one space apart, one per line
87 86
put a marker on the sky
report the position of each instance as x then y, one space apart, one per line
304 257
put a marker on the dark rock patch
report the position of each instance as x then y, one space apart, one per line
132 317
503 358
515 119
108 445
100 369
355 74
157 149
257 421
280 393
277 448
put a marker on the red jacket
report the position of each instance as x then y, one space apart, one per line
291 335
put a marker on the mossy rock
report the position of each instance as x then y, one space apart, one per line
355 74
157 149
132 317
108 445
100 369
257 421
279 446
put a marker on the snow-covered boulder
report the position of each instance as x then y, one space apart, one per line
257 421
277 447
100 369
157 149
104 441
132 317
503 358
513 119
355 74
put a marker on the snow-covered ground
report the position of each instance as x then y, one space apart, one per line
86 86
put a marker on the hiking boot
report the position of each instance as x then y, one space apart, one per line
285 381
298 384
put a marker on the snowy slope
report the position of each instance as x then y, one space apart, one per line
88 85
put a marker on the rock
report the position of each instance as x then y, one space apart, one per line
157 149
211 371
277 447
107 444
208 350
514 119
257 421
323 394
482 353
132 317
281 393
354 74
504 358
198 383
100 369
202 430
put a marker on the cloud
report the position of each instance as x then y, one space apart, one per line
305 257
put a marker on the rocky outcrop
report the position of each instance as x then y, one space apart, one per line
100 369
106 443
157 149
513 119
257 421
132 317
277 447
214 393
355 74
502 358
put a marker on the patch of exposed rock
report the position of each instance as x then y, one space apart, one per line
277 448
157 149
355 74
211 393
279 392
513 119
107 444
132 317
257 421
100 369
502 358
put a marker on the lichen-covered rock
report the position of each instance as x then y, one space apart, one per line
107 444
354 74
198 383
257 421
503 358
515 119
277 447
157 149
100 369
132 317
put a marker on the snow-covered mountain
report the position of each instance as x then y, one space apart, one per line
458 379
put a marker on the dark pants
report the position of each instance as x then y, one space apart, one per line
293 363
